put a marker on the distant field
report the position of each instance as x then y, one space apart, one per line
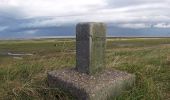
24 77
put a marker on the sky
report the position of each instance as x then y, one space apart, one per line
31 18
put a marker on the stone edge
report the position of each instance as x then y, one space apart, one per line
111 91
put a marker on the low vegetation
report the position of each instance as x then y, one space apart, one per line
26 78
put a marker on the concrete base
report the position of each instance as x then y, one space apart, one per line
85 87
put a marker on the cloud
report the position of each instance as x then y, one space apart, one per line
30 32
45 22
100 9
2 28
162 25
21 15
135 26
56 12
123 3
37 8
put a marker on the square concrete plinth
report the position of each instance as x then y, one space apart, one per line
102 86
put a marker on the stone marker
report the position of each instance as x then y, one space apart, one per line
83 82
90 46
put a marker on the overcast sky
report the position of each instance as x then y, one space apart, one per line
124 13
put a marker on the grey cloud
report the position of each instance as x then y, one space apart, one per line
126 15
123 3
10 17
11 12
3 28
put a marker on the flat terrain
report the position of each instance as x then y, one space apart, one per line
24 65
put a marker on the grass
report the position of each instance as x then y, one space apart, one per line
148 59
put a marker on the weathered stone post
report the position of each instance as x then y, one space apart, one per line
90 46
82 81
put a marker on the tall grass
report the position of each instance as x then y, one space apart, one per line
26 79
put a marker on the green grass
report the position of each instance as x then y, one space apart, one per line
148 59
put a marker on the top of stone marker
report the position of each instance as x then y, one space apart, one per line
91 23
95 29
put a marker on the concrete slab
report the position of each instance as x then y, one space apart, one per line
101 86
